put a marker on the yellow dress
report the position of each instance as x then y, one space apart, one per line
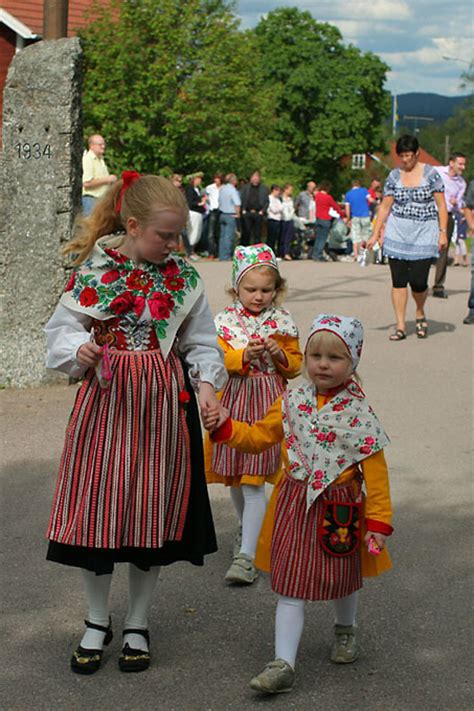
233 360
377 504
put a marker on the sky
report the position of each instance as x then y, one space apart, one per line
411 36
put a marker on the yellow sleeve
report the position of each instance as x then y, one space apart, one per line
254 438
294 357
378 506
232 358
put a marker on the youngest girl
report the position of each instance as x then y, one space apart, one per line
261 351
333 444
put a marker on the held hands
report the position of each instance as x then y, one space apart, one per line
378 537
212 412
89 354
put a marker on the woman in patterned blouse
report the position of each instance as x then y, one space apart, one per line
414 210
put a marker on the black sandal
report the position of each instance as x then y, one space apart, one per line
421 327
88 661
397 335
134 660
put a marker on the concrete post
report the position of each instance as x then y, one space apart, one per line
40 178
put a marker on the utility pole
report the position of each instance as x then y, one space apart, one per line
447 150
55 14
394 115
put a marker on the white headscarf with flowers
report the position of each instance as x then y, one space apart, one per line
322 444
247 258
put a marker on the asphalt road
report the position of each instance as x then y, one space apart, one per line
208 640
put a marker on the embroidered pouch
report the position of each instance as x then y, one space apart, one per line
339 533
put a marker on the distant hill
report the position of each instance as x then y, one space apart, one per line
433 106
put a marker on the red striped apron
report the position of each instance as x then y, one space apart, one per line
248 398
300 566
124 476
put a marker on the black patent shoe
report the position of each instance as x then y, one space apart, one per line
134 660
87 661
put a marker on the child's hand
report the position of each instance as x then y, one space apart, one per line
207 398
214 418
379 538
272 347
254 349
89 354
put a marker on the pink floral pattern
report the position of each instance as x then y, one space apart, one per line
321 444
236 326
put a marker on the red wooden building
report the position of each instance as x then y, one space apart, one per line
21 24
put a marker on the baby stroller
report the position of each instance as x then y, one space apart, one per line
302 244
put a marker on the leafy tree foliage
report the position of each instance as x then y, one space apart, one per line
174 83
330 97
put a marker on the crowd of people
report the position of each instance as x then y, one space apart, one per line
309 224
398 223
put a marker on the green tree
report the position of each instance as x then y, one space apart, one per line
175 84
330 97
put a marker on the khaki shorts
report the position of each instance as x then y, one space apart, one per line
360 229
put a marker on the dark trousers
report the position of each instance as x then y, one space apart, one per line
251 228
322 232
211 232
273 234
287 236
442 261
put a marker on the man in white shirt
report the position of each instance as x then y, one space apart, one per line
95 175
212 221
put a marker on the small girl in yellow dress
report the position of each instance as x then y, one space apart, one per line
320 523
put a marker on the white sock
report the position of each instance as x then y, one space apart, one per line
289 621
346 609
255 505
97 593
238 500
141 585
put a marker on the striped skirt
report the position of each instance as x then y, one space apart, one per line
248 398
300 566
124 477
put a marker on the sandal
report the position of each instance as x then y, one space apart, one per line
397 335
421 327
134 660
88 661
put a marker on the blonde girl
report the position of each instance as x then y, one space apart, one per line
261 352
134 321
319 523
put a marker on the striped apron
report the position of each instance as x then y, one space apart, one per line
300 566
125 472
248 398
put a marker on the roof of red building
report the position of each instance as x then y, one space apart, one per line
425 157
30 13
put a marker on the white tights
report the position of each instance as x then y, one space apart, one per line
289 623
141 585
250 504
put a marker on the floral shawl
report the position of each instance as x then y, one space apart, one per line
109 284
236 326
322 444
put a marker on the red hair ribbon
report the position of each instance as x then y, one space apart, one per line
128 178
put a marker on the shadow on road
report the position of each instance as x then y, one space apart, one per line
208 640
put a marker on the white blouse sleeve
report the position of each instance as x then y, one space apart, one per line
198 345
66 331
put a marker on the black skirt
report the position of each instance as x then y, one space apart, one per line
199 538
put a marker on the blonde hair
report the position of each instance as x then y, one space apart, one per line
280 290
144 197
329 340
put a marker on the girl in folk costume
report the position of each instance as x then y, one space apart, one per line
261 351
135 322
321 526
